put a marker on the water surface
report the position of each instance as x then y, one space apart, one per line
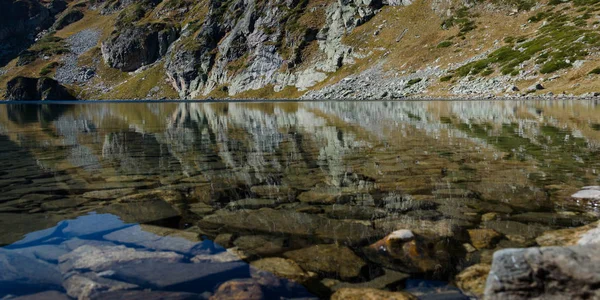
271 180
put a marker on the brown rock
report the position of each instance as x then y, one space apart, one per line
283 268
242 289
565 237
370 294
484 238
328 259
472 279
406 252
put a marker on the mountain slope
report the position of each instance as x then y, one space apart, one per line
363 49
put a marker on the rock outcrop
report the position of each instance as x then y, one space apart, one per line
44 88
245 44
19 22
137 45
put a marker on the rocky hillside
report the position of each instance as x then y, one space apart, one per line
312 49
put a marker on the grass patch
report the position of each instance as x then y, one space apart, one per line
444 44
49 68
595 71
558 41
446 78
413 82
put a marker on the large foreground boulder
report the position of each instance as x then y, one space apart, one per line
135 46
44 88
545 273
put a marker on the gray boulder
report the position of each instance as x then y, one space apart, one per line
135 46
545 273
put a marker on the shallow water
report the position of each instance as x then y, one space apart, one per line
272 180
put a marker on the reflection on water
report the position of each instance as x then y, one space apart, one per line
290 187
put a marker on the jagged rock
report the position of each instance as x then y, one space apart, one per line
283 268
44 88
545 273
370 294
472 280
328 259
135 46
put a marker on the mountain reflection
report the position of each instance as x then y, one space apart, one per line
271 181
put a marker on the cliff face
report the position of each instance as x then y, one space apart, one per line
312 48
247 44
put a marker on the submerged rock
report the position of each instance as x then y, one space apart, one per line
285 268
239 289
290 223
570 236
329 259
260 244
100 258
370 294
21 273
484 238
404 251
83 286
472 280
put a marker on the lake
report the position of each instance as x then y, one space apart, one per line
188 200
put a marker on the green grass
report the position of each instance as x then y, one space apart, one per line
413 82
49 68
446 78
556 43
444 44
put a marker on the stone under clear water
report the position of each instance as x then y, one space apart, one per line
263 200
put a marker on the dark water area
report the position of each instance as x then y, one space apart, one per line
281 200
